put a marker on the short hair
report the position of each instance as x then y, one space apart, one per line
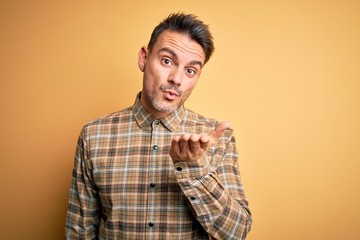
186 23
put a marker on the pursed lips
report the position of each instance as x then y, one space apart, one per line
171 90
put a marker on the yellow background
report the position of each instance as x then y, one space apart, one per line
285 73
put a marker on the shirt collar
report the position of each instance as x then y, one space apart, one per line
144 118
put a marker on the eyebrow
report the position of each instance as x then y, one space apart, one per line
173 54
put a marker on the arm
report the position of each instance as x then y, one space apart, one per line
215 193
83 207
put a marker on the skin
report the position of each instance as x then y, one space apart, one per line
171 70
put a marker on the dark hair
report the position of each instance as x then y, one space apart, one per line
186 23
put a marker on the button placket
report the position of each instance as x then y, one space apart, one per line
155 144
155 125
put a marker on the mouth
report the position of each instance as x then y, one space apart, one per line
170 92
170 95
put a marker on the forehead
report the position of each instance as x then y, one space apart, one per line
181 44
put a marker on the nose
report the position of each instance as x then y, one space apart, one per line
176 76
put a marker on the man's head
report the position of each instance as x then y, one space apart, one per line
186 23
172 63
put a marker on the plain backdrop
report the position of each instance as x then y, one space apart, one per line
285 73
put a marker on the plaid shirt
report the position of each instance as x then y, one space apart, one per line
126 186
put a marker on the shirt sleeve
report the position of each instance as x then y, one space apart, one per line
83 207
213 187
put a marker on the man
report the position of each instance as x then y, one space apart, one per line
157 170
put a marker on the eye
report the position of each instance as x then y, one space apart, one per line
166 61
191 71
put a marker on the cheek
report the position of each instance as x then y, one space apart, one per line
191 83
156 72
189 87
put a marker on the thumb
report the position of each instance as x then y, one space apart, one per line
219 130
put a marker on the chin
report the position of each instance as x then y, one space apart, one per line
165 108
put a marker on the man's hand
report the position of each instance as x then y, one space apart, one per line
190 147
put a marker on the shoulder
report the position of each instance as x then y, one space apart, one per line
202 124
194 119
106 123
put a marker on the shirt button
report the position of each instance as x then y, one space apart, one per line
155 147
151 224
157 122
179 169
193 198
152 185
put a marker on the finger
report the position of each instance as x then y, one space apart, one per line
174 147
184 143
176 138
194 144
205 141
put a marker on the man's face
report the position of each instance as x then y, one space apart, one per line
171 71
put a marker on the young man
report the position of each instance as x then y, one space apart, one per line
157 170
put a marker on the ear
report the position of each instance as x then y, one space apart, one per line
142 58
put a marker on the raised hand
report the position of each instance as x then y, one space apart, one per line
190 147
